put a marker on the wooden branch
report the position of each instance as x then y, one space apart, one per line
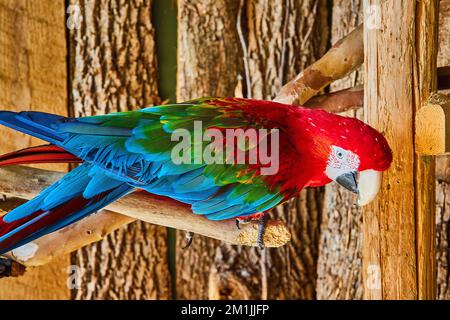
139 205
432 136
344 57
353 98
338 101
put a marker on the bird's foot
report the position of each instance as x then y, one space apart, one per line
262 225
188 237
244 220
247 219
262 219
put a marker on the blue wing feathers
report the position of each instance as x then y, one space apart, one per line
37 124
124 156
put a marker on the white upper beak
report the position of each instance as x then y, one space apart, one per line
369 184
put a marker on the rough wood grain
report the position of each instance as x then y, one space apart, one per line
33 77
339 265
113 68
425 83
389 257
400 71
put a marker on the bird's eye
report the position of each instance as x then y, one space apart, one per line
340 155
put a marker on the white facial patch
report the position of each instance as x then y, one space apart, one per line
341 161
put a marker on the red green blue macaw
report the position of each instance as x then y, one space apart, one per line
125 151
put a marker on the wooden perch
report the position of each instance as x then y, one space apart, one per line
139 205
432 136
343 57
338 101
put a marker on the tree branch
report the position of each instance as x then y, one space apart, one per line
338 101
353 98
343 57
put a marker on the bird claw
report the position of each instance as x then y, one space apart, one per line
188 237
263 219
240 221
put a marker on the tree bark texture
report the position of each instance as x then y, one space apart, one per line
208 65
339 265
225 46
113 68
33 77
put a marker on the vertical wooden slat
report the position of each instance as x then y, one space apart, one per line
339 262
33 77
442 173
426 40
397 66
113 68
389 257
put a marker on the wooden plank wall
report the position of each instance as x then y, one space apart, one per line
33 77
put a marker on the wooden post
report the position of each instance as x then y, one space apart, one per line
425 83
400 72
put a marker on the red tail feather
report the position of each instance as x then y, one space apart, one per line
40 154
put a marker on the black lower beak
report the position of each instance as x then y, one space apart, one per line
348 181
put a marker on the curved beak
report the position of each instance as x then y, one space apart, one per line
366 186
348 181
369 184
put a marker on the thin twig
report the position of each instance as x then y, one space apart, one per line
244 50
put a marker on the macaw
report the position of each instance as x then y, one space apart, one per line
125 151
